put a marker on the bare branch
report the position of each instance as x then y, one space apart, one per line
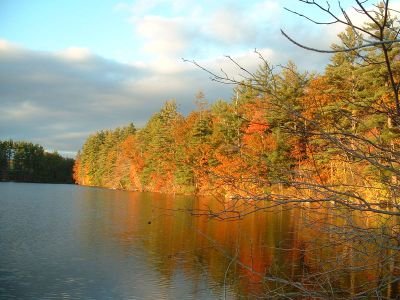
371 44
311 20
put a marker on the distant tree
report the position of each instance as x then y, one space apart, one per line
27 162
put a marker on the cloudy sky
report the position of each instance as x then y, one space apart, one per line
69 68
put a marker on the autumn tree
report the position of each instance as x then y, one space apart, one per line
325 143
345 141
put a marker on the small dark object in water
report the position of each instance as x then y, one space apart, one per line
149 222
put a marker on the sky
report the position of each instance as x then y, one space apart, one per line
69 68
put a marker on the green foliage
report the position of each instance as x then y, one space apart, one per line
98 158
278 125
27 162
158 143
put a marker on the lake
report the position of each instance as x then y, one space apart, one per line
72 242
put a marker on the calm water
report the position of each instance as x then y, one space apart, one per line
71 242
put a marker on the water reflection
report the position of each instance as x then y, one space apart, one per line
198 248
73 242
266 253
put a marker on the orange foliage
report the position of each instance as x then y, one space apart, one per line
316 96
76 171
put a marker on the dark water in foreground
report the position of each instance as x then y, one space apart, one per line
71 242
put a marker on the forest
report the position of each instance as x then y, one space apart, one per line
327 143
281 127
26 162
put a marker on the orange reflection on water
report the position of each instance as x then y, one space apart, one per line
244 255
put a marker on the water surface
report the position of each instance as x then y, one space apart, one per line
72 242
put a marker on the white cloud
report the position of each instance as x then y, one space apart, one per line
76 54
164 86
44 96
199 28
47 95
163 36
229 26
6 46
249 60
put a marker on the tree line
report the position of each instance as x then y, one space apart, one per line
327 143
27 162
281 126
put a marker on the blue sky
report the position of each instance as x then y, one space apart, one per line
118 30
69 68
56 25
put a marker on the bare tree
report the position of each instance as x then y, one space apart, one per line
358 211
